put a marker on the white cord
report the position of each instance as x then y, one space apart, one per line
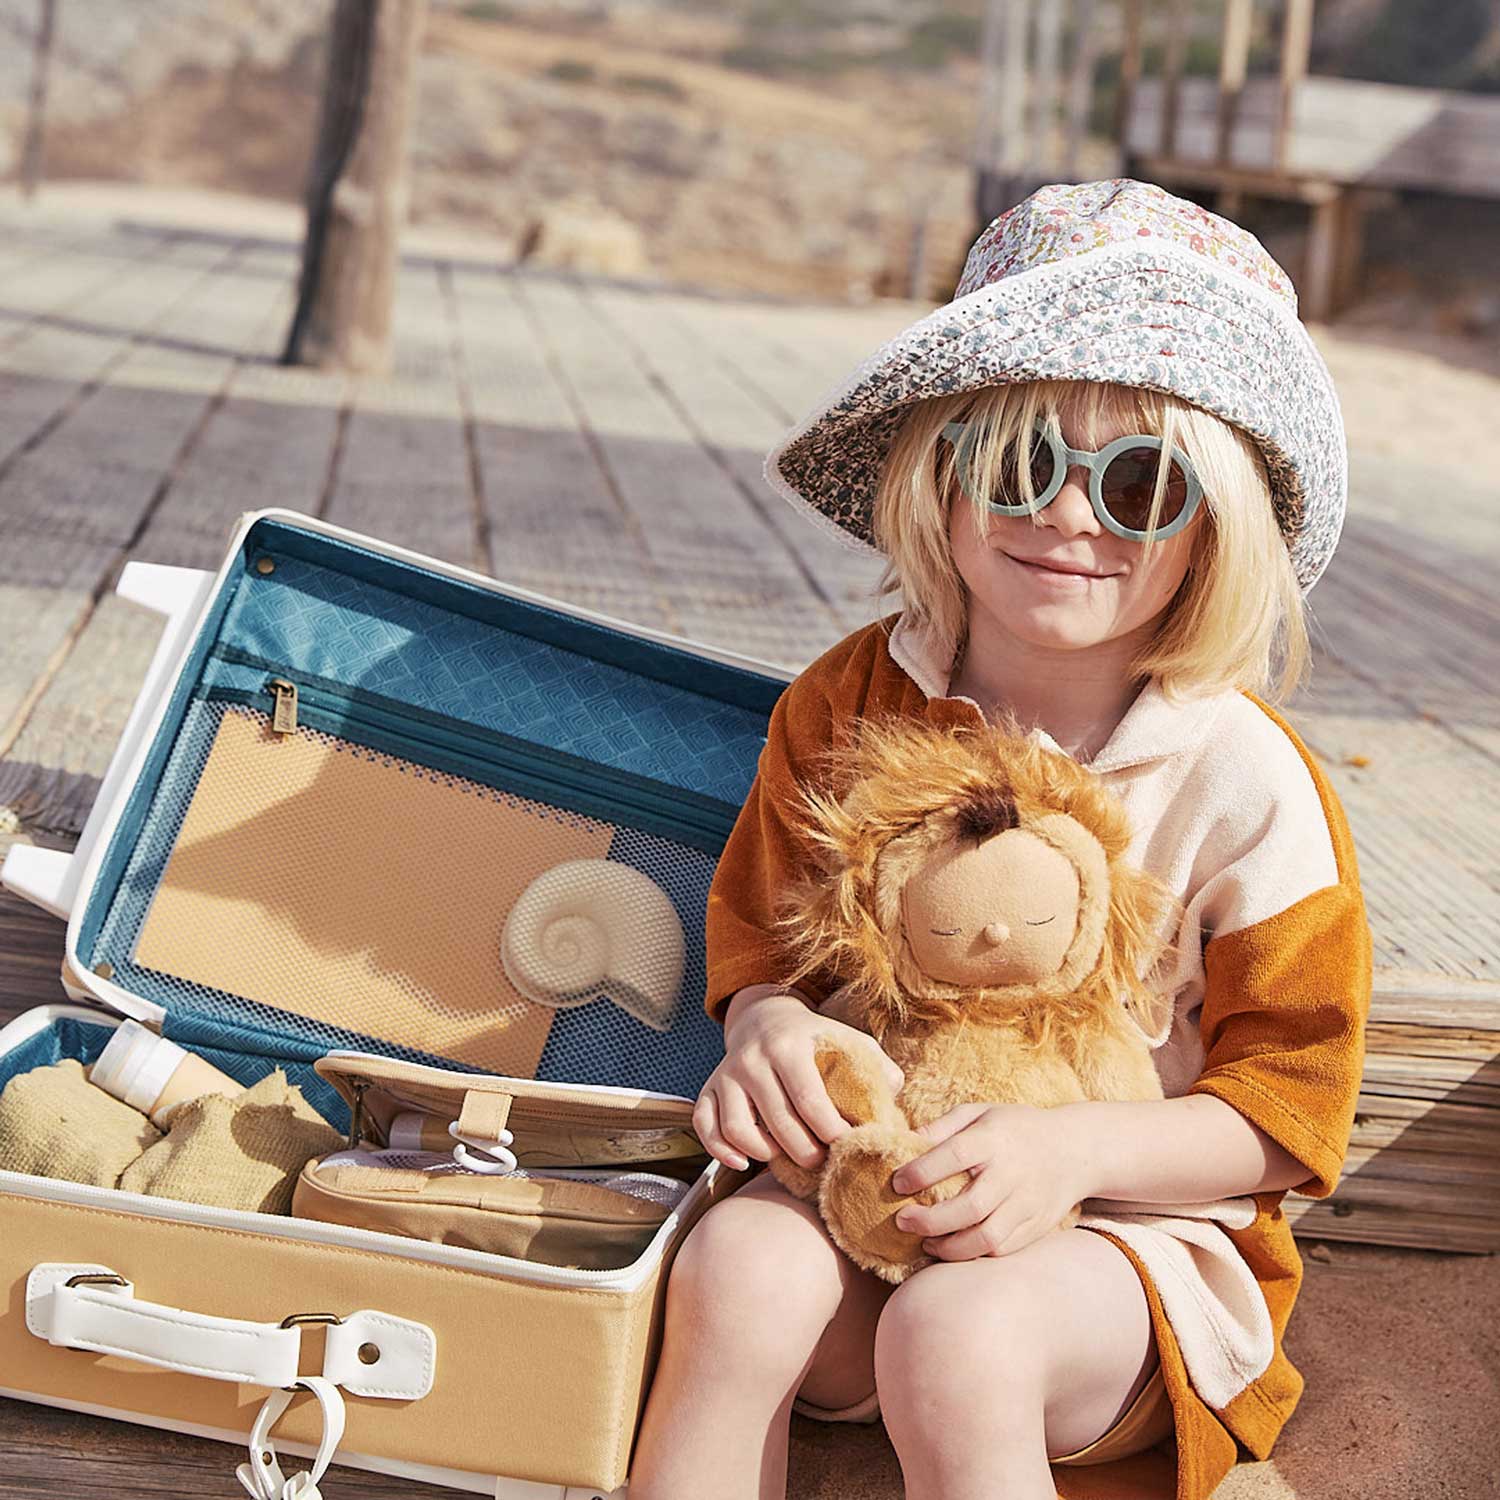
262 1476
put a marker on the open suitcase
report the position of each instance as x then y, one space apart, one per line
348 768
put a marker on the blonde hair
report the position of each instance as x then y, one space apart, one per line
1237 619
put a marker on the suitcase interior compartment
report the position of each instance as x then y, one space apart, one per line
652 742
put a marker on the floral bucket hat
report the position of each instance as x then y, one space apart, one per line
1116 281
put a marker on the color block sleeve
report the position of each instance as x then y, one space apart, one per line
763 856
1284 1007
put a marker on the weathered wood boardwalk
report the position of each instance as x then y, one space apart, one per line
602 444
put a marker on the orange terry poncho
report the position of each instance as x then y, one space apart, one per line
1271 1006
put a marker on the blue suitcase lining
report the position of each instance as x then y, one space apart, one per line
660 742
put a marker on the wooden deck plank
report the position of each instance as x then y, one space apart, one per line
730 577
554 522
84 329
788 359
48 280
736 429
1414 838
404 470
101 473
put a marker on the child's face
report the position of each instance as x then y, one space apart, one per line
1008 577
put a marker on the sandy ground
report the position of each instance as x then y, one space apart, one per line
1401 1351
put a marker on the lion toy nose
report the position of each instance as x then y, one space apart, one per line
996 933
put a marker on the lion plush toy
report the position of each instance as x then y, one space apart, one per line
975 901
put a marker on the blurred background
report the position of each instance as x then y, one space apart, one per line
807 148
534 287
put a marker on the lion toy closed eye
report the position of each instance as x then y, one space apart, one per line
975 903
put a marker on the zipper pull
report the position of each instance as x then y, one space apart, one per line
357 1112
284 719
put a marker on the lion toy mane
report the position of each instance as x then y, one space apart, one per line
974 901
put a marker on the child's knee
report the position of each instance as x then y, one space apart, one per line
757 1270
965 1330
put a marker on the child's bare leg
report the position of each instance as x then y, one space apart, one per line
986 1366
760 1303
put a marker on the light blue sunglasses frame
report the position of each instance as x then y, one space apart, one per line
960 434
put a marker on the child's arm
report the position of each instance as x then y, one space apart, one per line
763 856
769 1028
1283 1017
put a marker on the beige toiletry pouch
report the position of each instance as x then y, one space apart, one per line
549 1124
500 1188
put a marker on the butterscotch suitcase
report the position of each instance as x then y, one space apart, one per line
351 772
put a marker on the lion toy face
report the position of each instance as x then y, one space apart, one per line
999 912
970 871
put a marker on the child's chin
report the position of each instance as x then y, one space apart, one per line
1057 626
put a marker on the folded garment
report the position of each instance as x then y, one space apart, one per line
1208 1292
55 1123
242 1152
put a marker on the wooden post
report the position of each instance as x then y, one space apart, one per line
356 199
36 109
1234 57
1080 84
1179 20
1042 157
1013 81
1296 43
1130 72
1001 151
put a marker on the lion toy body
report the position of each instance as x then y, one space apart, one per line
976 904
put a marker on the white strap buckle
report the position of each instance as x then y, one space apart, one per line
262 1476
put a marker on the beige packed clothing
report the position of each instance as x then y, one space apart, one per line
55 1123
243 1152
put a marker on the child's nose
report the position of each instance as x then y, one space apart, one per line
1071 512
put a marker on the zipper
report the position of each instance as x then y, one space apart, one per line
284 715
521 1105
357 1111
489 757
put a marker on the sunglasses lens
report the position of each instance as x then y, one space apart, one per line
1008 490
1130 481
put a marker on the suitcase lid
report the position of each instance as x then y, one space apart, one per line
306 867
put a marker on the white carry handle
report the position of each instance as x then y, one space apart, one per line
262 1476
49 877
91 1307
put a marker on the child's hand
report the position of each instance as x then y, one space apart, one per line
1029 1168
767 1095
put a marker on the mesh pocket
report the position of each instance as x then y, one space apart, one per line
340 895
665 1192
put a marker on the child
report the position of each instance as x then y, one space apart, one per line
1005 454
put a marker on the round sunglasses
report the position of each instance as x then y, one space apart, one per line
1122 479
